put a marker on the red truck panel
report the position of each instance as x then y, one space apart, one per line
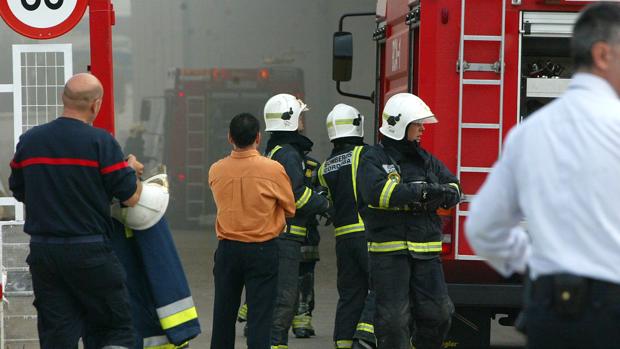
436 79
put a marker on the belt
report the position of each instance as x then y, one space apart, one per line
545 285
87 239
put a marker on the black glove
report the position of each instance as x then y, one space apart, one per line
324 192
452 196
433 197
441 195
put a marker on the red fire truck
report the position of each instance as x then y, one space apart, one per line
199 106
481 66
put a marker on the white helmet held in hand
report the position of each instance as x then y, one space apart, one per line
401 110
344 121
149 209
282 112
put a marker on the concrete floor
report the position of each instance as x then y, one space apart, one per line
196 249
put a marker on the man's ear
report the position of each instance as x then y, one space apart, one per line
258 139
230 140
601 55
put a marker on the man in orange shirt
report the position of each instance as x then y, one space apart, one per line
253 195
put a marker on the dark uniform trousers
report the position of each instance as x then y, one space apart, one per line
408 288
288 288
254 265
78 285
309 258
590 319
355 310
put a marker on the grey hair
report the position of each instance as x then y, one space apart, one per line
599 22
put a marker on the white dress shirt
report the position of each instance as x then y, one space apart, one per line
560 171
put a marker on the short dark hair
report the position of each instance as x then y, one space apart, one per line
597 22
243 129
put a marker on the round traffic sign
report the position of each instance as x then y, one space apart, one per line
42 19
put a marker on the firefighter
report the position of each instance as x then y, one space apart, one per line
402 186
66 172
302 322
283 118
353 325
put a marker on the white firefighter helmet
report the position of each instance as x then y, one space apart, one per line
344 121
149 209
282 112
402 109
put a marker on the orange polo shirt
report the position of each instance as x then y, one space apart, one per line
253 196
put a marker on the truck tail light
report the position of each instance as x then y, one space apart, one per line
263 74
181 177
447 228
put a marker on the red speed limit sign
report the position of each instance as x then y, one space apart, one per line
42 19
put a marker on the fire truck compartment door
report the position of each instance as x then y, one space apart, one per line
548 24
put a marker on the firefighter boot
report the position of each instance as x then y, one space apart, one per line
302 326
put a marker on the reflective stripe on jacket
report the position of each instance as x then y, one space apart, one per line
390 200
339 174
307 202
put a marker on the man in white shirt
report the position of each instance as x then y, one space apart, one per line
560 171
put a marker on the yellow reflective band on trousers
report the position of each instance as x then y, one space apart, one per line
351 228
386 193
281 346
391 246
177 313
365 327
302 321
273 151
344 344
243 312
305 197
297 230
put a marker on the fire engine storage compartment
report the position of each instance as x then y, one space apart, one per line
545 60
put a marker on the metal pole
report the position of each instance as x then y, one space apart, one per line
101 21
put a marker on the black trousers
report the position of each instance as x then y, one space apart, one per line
596 326
286 300
356 306
237 264
80 288
410 293
306 288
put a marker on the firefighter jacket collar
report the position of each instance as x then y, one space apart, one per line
347 142
302 143
397 150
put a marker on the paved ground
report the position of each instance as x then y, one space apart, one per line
197 247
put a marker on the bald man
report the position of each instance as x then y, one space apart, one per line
67 172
